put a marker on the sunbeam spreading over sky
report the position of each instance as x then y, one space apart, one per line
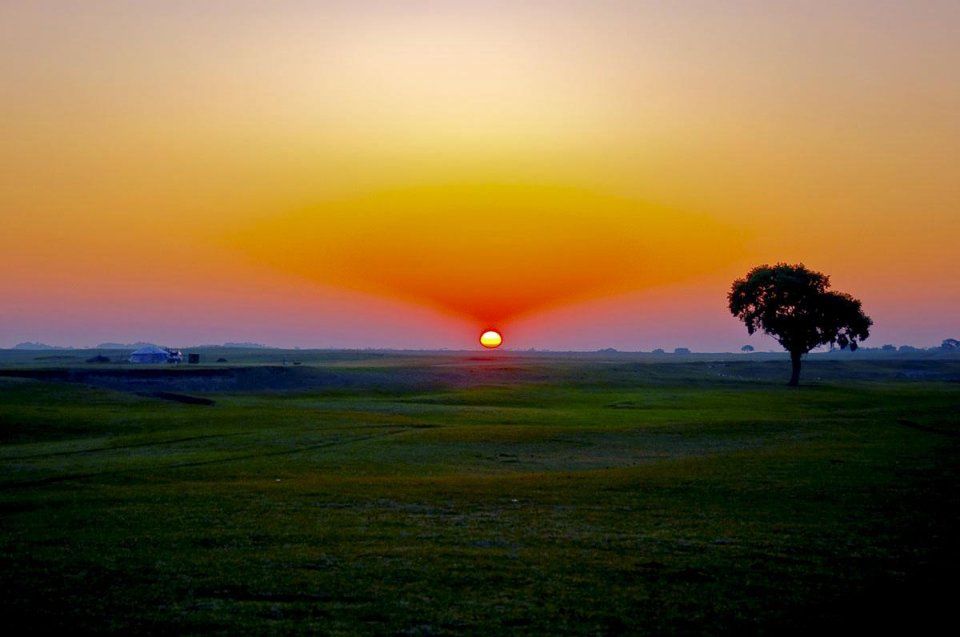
405 174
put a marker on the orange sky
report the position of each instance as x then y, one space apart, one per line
578 174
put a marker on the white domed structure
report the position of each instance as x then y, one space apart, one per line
151 354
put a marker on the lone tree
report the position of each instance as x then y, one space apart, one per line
795 306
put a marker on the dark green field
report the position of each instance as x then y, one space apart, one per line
439 494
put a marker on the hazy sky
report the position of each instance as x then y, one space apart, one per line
577 174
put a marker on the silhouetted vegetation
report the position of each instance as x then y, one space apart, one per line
795 306
746 348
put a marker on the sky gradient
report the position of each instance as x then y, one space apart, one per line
381 174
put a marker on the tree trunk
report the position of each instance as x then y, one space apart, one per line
795 376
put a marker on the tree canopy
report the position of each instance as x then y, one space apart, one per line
794 305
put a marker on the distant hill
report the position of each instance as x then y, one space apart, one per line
37 346
140 344
236 345
136 345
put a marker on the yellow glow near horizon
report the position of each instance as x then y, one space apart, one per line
543 245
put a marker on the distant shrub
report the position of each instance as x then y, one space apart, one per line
221 360
681 350
659 351
98 359
889 348
746 348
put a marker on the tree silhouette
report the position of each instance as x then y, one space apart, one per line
795 306
746 348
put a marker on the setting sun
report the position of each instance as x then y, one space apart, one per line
491 339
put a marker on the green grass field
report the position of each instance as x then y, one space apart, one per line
423 495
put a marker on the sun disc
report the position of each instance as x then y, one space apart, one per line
491 339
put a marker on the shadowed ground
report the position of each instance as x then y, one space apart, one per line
438 494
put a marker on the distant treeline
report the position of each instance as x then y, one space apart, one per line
31 346
947 345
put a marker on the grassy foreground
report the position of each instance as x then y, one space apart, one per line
483 496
